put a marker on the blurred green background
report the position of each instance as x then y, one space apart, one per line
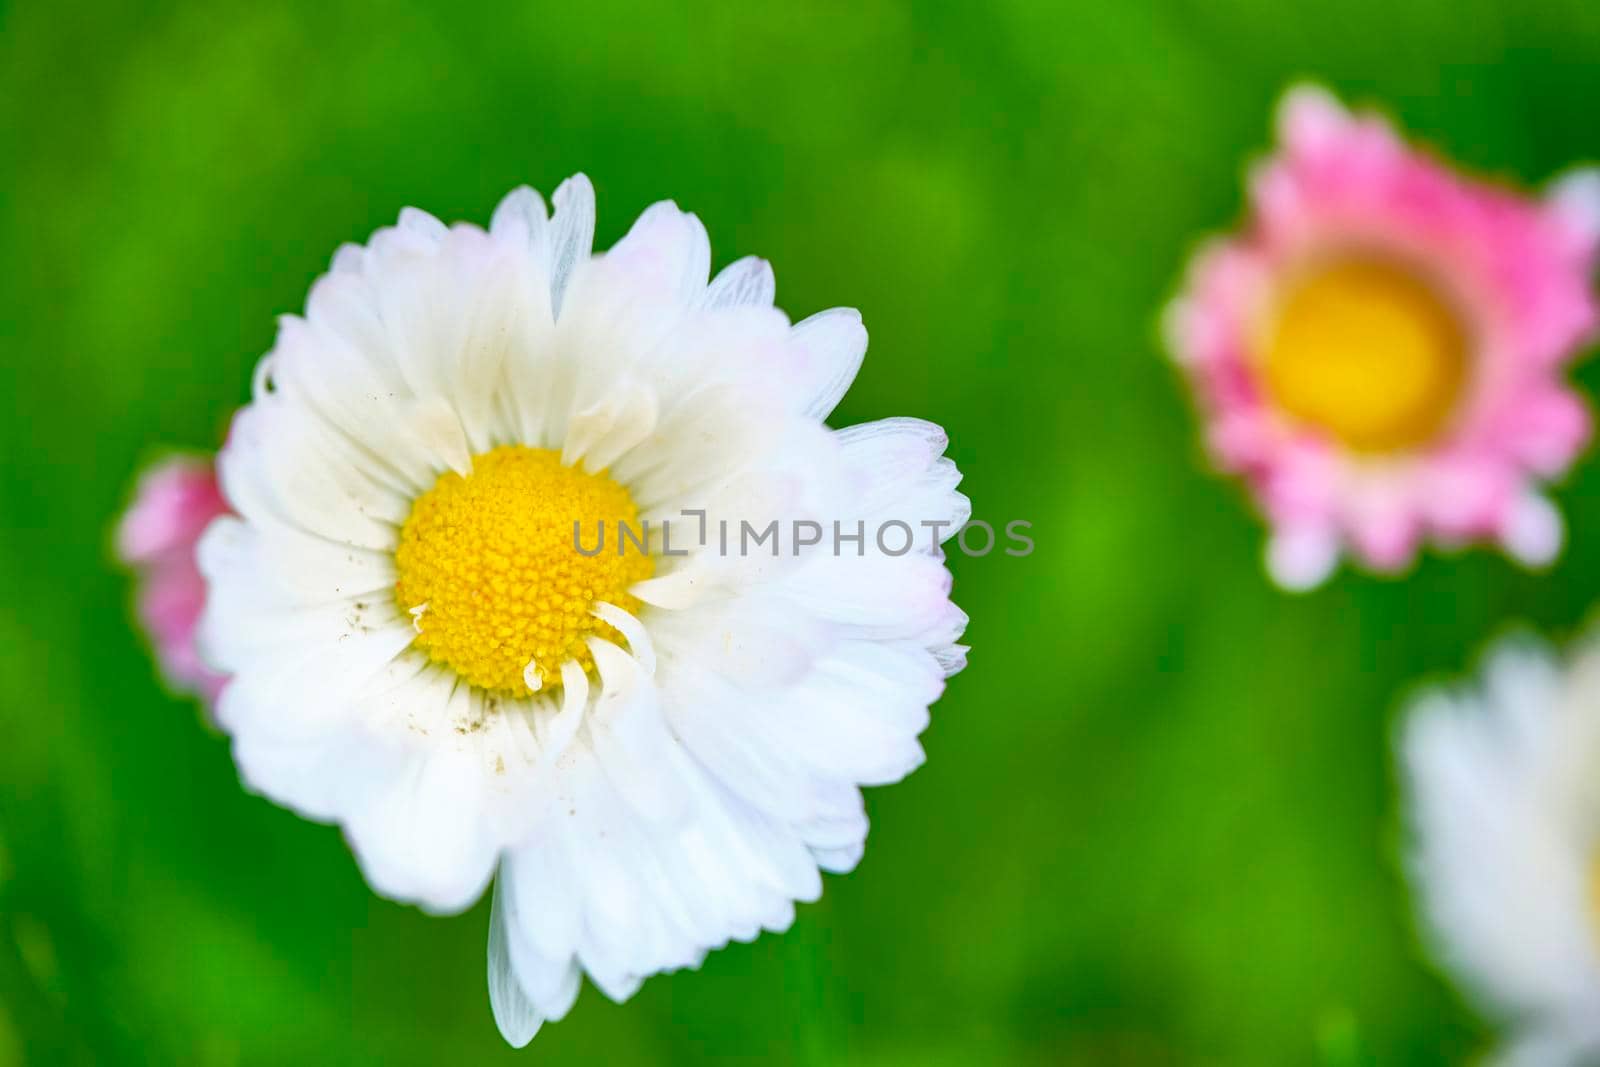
1157 824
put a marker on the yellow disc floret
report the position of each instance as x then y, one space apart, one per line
1369 351
489 567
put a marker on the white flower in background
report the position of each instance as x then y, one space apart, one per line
1503 784
656 751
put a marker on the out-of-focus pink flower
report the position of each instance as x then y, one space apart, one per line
1379 351
174 502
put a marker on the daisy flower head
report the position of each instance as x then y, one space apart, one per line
1503 812
173 503
490 601
1379 351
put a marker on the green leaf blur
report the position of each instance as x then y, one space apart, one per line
1157 823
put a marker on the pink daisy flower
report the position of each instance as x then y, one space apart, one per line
173 503
1379 351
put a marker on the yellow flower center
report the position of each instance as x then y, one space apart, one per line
489 567
1370 352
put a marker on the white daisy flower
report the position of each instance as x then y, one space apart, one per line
1503 791
657 750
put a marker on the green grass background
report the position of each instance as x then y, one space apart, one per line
1157 824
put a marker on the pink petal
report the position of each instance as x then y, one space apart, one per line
173 504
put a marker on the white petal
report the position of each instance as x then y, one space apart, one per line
604 431
952 658
353 387
744 282
1301 559
514 1013
525 989
679 589
630 738
282 566
901 474
666 255
755 640
556 731
700 447
522 219
884 597
420 836
544 888
633 630
571 235
705 715
827 350
1576 198
273 470
423 224
840 860
348 258
1534 531
302 690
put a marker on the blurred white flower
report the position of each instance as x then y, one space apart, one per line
1503 790
657 752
